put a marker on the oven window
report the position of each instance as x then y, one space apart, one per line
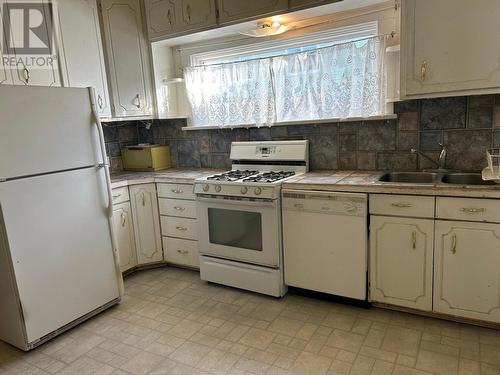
241 229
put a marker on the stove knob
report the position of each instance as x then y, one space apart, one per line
244 190
206 187
218 188
257 191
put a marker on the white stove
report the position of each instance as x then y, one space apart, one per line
239 215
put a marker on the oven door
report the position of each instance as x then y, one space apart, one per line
239 229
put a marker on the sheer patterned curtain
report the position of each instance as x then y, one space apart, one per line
231 94
342 81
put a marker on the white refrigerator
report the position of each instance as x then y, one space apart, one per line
58 262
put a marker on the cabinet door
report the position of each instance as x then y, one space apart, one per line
82 60
237 10
128 58
195 14
146 223
26 72
5 72
124 233
161 17
309 3
401 252
449 46
467 270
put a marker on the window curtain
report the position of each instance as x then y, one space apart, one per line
342 81
231 94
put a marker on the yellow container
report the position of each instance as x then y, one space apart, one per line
146 158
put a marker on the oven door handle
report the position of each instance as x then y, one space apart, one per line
231 202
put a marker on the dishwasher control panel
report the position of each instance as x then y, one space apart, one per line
353 204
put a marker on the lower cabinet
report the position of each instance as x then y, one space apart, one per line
124 233
467 270
401 251
146 223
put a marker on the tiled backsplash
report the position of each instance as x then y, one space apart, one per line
466 126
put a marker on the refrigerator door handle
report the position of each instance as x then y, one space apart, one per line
105 165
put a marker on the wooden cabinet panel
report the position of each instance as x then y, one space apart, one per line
82 58
441 49
401 252
24 73
128 58
161 17
239 10
195 14
467 270
146 223
124 233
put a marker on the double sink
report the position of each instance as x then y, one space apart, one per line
435 178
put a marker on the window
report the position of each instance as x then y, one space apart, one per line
327 75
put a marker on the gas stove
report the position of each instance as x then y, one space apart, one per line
239 216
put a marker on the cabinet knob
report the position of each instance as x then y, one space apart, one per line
124 219
454 244
188 11
179 208
181 228
473 210
177 191
183 252
401 205
414 240
100 102
169 17
138 99
423 70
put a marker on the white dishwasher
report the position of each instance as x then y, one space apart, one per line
325 242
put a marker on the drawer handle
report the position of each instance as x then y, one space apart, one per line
473 210
143 198
183 252
414 240
181 228
117 196
298 205
454 244
179 208
124 219
177 191
402 205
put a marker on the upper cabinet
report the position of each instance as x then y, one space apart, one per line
167 17
79 39
128 58
449 47
239 10
24 73
307 3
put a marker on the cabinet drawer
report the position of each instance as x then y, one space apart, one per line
177 191
178 251
120 195
468 209
177 207
401 205
179 227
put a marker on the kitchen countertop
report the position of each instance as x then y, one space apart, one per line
173 175
329 180
368 182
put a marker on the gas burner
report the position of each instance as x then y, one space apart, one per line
268 177
232 175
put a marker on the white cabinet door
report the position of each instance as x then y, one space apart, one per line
28 71
124 232
239 10
128 58
146 223
467 270
82 59
401 252
449 46
161 17
195 14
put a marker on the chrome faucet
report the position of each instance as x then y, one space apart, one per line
441 164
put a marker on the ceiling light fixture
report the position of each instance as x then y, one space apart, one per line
267 29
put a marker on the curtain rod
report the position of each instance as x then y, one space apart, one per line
391 34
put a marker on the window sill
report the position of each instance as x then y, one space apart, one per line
287 123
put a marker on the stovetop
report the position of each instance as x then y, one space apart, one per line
251 176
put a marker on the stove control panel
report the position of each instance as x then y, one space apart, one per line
233 190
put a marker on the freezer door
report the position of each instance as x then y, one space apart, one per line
59 240
46 129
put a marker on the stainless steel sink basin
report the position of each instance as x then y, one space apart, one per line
410 177
465 179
